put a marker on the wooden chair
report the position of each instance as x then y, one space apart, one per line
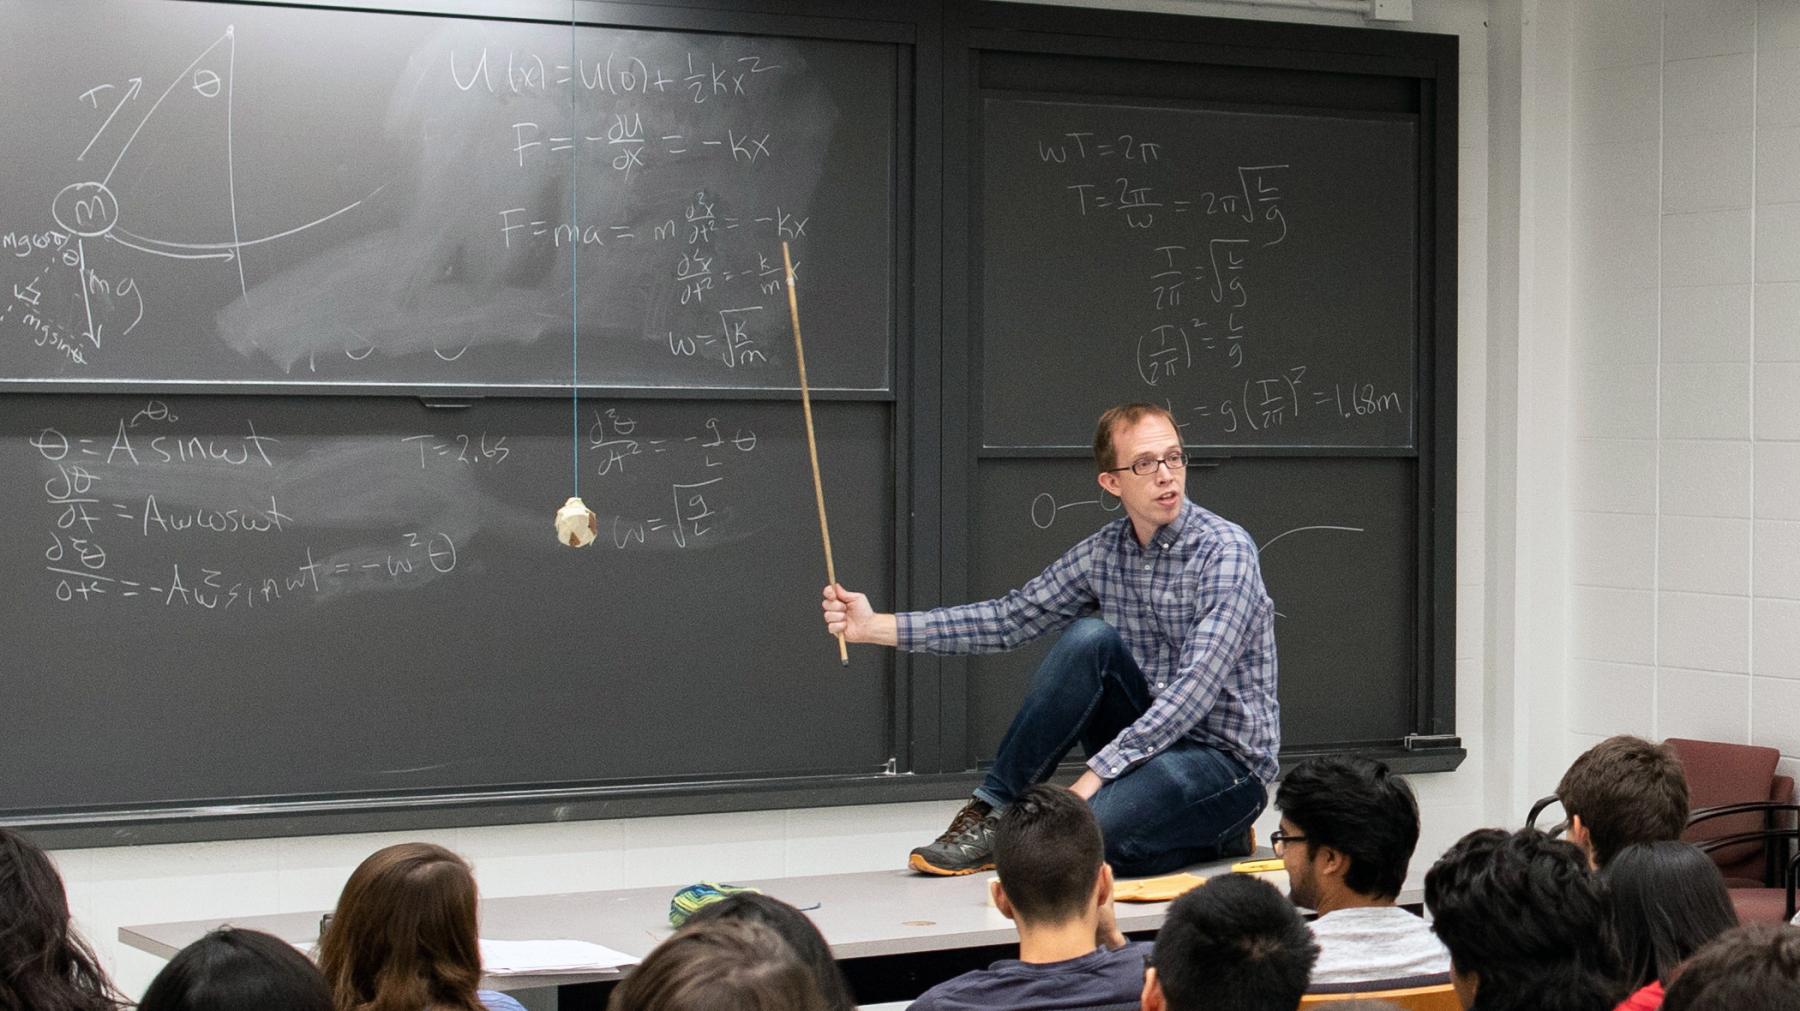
1441 997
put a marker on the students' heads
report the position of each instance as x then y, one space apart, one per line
1049 858
796 929
720 963
403 935
44 964
238 970
1668 901
1526 924
1359 824
1621 791
1233 944
1751 968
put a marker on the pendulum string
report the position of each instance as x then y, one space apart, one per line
574 278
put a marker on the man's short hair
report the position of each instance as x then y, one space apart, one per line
1233 944
1122 416
1521 912
1626 790
1750 968
1357 807
1047 852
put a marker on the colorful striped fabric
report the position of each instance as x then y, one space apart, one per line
688 900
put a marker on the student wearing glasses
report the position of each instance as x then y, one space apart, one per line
1165 670
1348 830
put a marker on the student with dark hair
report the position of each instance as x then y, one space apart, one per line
1621 791
719 964
1233 944
797 930
403 937
1348 830
44 964
1749 968
238 970
1669 901
1057 889
1527 925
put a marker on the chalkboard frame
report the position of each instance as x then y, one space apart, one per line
1256 64
934 408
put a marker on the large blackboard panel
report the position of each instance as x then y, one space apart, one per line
896 234
1253 270
1338 558
407 624
1309 349
353 197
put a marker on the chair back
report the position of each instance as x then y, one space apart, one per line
1441 997
1720 775
1531 818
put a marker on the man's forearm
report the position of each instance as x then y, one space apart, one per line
881 630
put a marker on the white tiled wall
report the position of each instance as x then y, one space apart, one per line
114 887
1686 559
1611 698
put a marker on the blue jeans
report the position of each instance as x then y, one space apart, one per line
1179 808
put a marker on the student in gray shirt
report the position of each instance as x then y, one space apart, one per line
1348 829
1056 889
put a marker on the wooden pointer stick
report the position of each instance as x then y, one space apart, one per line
812 444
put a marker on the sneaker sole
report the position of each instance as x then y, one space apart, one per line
923 866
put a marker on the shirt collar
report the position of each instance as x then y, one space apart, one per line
1178 527
1169 534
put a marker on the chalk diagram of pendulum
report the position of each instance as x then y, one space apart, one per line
90 209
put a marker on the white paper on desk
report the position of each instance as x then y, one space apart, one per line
542 958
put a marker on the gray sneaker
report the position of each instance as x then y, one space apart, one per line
966 847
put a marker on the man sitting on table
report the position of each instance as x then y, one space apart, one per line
1348 829
1056 889
1170 689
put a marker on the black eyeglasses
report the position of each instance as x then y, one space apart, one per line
1174 459
1278 840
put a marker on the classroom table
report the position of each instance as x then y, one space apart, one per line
895 932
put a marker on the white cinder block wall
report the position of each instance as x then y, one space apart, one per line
117 886
1685 438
